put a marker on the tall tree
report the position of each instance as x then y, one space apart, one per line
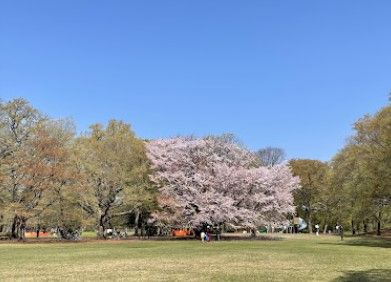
24 163
373 140
213 181
116 167
348 183
361 173
67 183
313 180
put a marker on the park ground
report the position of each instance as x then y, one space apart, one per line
294 258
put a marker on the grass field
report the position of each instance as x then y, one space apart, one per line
297 258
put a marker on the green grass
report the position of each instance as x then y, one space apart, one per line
297 258
88 234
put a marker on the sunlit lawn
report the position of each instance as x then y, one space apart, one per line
296 258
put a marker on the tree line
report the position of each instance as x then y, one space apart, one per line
354 188
51 177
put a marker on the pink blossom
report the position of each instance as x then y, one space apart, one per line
208 180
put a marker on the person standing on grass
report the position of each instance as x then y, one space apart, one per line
208 231
341 232
317 229
203 235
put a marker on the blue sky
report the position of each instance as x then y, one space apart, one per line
293 74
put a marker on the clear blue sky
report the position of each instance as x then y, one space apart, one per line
293 74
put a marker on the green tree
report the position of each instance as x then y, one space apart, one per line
313 176
62 210
23 166
348 182
361 172
116 167
373 138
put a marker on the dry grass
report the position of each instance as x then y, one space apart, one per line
296 258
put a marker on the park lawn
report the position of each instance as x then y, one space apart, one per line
296 258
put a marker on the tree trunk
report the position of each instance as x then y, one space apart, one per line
104 218
365 228
38 229
101 230
373 223
378 233
143 233
13 228
253 232
325 229
378 228
22 229
101 225
379 224
309 224
353 228
136 223
18 227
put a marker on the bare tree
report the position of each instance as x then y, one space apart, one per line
271 156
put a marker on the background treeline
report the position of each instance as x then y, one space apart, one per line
354 188
52 178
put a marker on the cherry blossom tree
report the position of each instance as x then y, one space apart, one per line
213 181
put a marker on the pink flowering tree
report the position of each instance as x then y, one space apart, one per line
214 181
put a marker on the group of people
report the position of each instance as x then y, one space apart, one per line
115 233
338 229
205 234
205 237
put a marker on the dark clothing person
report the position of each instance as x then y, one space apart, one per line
341 232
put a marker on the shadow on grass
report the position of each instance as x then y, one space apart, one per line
365 242
378 275
377 243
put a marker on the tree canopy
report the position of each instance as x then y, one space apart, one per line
214 181
53 178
